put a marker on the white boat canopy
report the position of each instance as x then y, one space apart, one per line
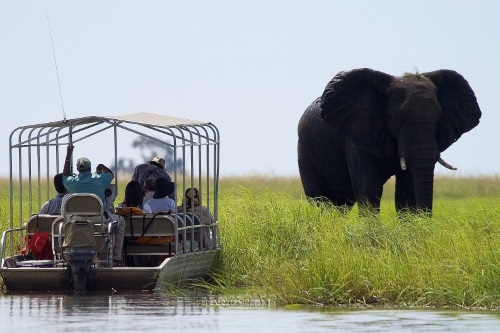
37 152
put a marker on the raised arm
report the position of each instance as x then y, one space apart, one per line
67 161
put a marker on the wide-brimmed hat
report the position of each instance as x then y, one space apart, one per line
83 163
158 161
163 187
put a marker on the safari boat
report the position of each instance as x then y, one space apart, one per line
37 153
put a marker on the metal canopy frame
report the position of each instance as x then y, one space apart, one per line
35 154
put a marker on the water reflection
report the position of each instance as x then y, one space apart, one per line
155 312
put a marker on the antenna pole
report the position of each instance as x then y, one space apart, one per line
57 71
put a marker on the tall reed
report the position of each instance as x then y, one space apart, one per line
279 246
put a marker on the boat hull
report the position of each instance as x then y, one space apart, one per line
175 270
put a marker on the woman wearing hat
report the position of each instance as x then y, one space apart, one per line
160 202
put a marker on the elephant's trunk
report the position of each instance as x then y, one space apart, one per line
419 154
423 181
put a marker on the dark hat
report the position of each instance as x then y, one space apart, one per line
163 187
158 161
83 163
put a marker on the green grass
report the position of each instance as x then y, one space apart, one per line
279 248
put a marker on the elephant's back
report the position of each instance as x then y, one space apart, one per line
315 134
322 160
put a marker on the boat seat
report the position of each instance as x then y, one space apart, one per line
150 225
85 207
83 204
41 221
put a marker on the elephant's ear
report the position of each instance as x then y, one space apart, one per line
355 102
460 111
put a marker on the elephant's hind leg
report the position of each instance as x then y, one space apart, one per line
318 189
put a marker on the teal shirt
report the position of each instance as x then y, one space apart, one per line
88 182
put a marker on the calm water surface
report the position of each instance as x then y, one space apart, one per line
153 312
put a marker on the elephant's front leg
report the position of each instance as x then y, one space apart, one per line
366 177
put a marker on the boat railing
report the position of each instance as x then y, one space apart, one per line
21 241
5 233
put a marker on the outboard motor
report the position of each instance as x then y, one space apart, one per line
79 250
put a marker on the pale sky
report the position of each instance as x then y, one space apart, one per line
249 67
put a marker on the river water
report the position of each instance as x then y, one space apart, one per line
154 312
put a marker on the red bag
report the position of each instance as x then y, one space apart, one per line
40 245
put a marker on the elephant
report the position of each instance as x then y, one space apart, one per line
369 126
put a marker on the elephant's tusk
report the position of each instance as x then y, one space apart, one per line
446 165
402 163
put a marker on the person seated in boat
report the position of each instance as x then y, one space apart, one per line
149 189
153 169
132 203
191 202
97 182
160 202
53 206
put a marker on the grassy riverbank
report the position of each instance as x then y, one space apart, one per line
278 248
